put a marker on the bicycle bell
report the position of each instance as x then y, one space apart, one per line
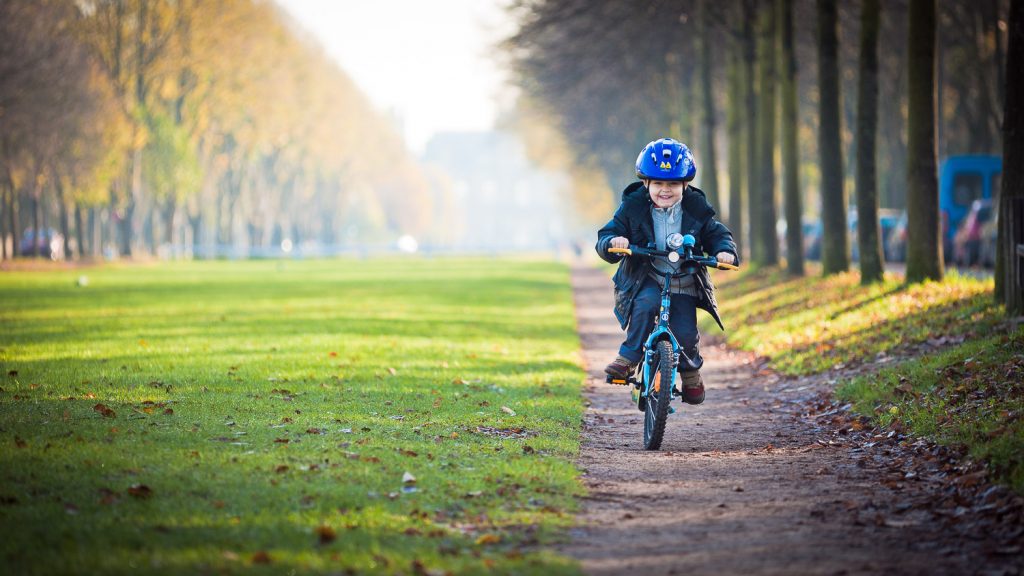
674 241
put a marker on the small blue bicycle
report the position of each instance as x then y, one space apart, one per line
653 382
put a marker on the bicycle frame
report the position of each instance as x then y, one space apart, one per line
661 330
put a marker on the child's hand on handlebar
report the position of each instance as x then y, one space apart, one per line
619 242
725 258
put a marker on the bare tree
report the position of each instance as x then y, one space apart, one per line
766 250
737 143
790 151
835 244
924 230
868 239
709 178
1011 198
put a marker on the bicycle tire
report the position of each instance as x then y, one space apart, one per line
659 396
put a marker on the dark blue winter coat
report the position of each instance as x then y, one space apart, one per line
633 220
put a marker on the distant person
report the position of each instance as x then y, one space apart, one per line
662 203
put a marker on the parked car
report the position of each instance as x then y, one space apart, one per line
962 180
970 245
811 228
47 244
888 218
896 246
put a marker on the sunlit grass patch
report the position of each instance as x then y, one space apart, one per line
811 324
972 396
228 417
968 396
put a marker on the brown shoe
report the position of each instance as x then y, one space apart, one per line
693 387
620 368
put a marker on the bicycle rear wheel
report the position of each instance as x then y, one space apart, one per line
658 396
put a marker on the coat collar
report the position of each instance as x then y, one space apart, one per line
694 201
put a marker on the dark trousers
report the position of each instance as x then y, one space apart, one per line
682 321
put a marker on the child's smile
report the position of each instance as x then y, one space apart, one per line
664 194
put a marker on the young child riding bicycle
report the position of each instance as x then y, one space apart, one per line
663 203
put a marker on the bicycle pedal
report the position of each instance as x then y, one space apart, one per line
616 381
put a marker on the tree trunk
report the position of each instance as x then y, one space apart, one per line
998 56
3 223
36 251
95 240
12 216
127 224
790 150
749 60
1011 196
79 231
709 178
767 252
149 225
737 144
869 242
924 228
196 224
835 244
65 227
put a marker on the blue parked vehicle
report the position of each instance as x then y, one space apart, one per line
962 180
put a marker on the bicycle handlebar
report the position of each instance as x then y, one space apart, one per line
709 261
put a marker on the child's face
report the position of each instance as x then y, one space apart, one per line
665 194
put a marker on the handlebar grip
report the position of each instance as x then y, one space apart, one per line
626 251
724 266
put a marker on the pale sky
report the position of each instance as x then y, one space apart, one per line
429 62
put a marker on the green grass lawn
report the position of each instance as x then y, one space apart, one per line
269 417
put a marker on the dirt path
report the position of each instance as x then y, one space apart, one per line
745 483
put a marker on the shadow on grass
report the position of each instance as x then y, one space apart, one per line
951 318
867 301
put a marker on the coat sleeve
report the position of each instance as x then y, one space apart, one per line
716 237
617 226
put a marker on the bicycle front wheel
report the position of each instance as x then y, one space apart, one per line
659 394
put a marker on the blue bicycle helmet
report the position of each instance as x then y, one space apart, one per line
666 159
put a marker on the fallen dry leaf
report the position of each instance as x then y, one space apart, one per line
488 539
508 411
140 491
104 411
108 496
261 557
326 534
